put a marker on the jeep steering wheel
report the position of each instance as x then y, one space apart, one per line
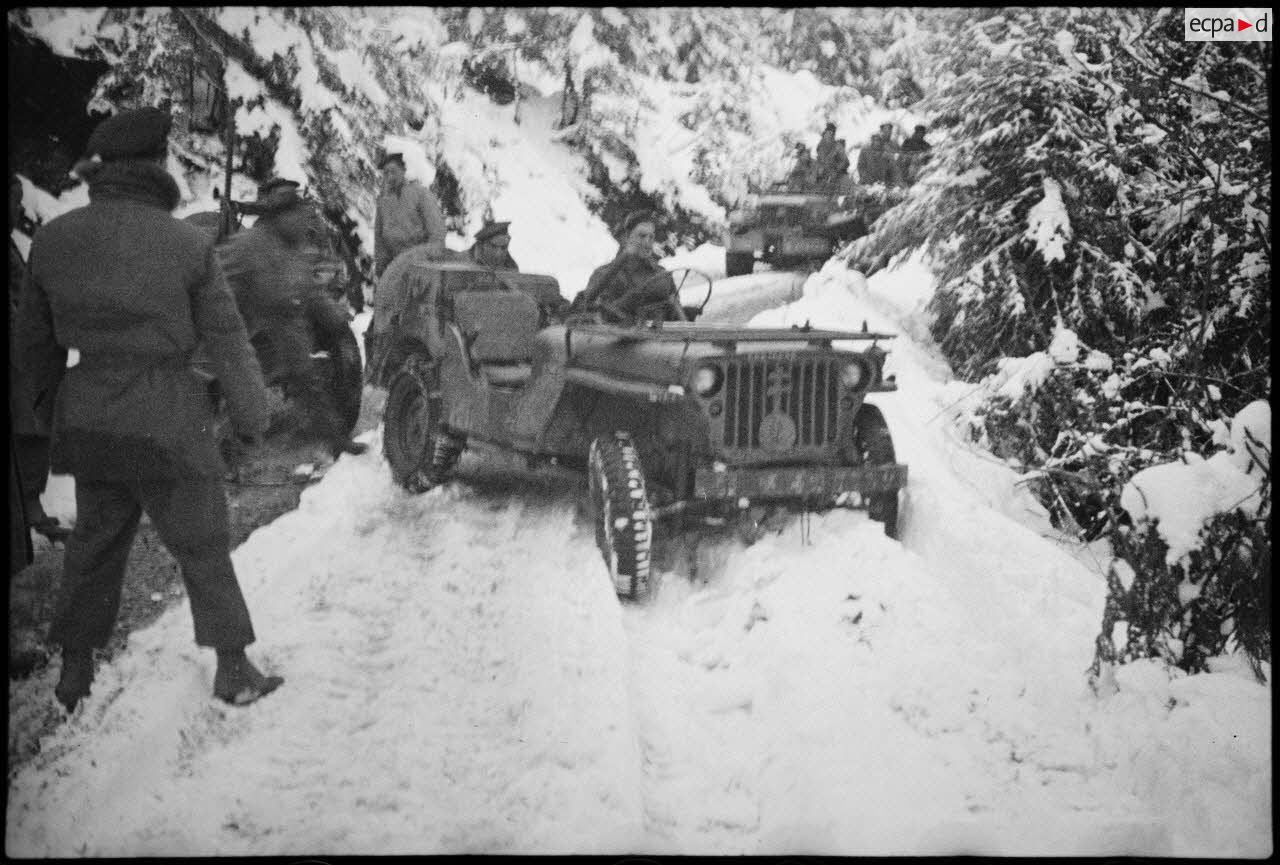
679 277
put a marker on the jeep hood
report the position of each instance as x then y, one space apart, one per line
661 354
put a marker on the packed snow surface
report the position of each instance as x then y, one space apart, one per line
460 678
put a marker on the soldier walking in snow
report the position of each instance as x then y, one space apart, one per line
277 295
407 215
134 291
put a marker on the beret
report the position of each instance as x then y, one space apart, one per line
133 133
391 157
491 229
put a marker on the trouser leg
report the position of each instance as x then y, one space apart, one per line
304 384
93 569
190 516
33 470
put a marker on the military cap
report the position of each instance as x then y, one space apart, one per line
491 229
391 157
138 132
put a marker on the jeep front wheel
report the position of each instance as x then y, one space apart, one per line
739 263
876 447
411 432
620 511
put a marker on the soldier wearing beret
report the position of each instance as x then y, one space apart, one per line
134 291
492 246
276 293
407 215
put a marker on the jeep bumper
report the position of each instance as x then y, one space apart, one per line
804 482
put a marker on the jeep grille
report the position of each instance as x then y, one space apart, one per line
802 388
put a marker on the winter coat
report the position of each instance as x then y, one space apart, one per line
135 291
625 284
803 173
914 154
878 164
406 219
25 421
270 277
276 292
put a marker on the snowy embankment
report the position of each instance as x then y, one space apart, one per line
460 678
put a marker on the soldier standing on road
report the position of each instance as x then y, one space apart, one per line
633 279
134 290
276 293
408 214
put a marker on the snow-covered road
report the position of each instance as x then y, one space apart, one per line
461 679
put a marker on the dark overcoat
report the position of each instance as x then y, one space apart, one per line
134 291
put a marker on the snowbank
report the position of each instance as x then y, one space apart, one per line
1182 497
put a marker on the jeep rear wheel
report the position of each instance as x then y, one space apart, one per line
344 376
876 446
620 511
411 427
739 263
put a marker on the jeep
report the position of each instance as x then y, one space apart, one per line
786 226
669 420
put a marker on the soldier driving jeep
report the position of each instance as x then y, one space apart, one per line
633 283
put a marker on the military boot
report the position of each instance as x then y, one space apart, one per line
77 675
238 681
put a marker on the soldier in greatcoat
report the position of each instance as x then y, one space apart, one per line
275 289
134 291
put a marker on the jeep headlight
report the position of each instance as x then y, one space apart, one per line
707 380
853 375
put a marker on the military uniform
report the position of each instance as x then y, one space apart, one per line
406 218
134 291
625 284
276 294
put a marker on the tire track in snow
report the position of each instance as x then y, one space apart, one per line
426 665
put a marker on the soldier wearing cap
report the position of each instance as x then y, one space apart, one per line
277 295
492 245
134 291
407 215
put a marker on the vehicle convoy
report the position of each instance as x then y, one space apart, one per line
786 226
336 354
671 420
